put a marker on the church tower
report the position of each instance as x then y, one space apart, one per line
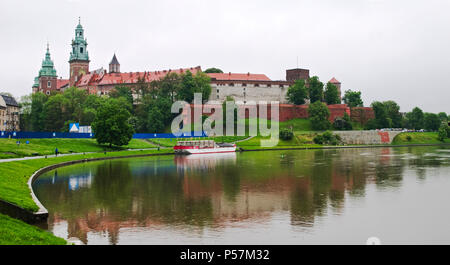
114 65
79 57
46 80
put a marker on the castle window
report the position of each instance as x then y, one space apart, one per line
49 84
81 49
269 85
256 85
231 84
244 84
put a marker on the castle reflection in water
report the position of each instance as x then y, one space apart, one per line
218 190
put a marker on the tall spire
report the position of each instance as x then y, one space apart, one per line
114 65
79 45
47 68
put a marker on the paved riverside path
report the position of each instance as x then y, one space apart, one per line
49 156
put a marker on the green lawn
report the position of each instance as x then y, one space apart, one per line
14 175
418 138
9 148
16 232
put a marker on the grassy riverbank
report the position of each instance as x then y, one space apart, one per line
10 149
418 138
16 232
14 175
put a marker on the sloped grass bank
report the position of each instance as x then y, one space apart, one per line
16 232
10 149
418 138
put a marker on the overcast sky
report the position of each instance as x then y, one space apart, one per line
397 50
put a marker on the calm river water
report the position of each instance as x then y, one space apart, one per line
400 195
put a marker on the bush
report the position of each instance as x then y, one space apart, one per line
318 139
327 138
408 138
443 132
342 123
286 134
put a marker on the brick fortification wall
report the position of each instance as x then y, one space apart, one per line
289 112
362 114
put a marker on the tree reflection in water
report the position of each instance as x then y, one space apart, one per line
215 191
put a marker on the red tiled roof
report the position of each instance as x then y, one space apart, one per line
93 78
61 83
334 81
239 77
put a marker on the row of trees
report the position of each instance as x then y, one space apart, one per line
115 118
387 115
313 89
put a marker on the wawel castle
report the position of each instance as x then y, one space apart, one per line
240 86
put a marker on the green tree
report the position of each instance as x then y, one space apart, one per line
187 89
37 115
111 124
54 113
332 94
75 98
159 115
415 119
315 88
381 118
393 113
202 85
90 106
213 70
25 113
122 91
297 93
431 121
353 98
318 115
168 86
443 116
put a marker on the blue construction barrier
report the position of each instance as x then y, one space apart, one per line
41 135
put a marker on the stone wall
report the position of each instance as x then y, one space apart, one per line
367 137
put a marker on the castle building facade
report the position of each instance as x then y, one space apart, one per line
240 86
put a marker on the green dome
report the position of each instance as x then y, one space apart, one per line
79 46
47 68
36 82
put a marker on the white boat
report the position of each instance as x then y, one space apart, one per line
203 147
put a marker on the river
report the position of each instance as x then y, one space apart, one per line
336 196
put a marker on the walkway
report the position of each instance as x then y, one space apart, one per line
82 153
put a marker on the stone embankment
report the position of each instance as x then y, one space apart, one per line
367 137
